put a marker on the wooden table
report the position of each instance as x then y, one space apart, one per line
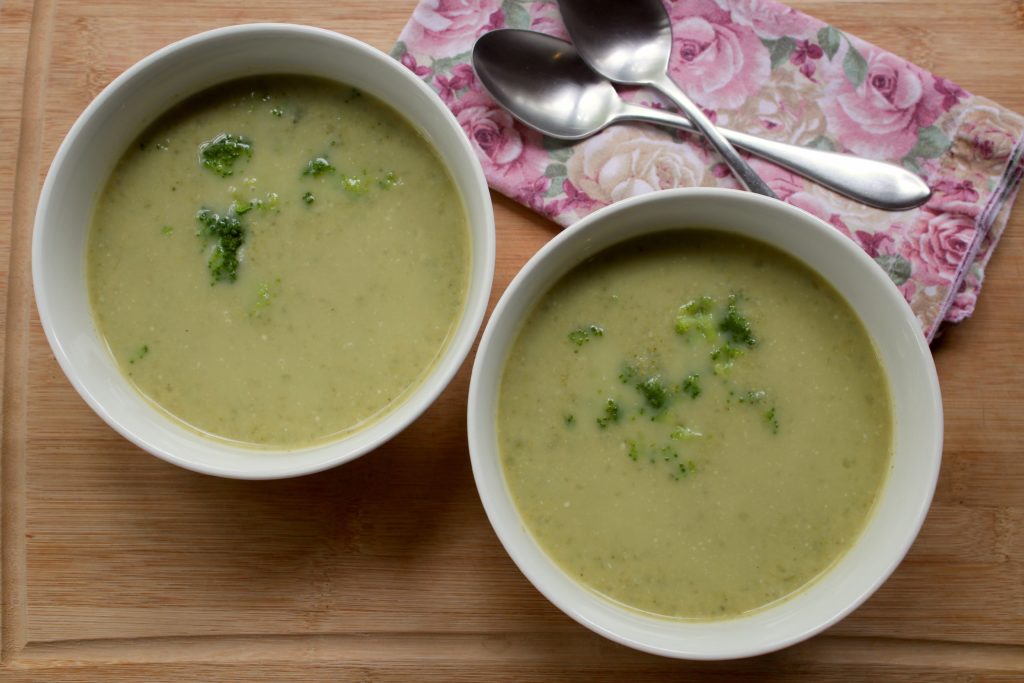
119 567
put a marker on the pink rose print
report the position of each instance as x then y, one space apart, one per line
717 62
937 244
409 62
546 19
790 189
880 118
773 20
804 55
442 28
511 154
990 139
462 76
955 196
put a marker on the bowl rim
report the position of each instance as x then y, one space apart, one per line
484 454
437 377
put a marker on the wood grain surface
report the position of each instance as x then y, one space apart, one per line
119 567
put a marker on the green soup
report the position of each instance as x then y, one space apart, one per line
694 425
278 261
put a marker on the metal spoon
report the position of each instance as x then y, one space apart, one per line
630 42
544 83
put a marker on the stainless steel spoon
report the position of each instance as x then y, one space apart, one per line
544 83
630 41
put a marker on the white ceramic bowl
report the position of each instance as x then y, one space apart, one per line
907 492
122 111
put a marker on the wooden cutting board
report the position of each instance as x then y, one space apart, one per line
119 567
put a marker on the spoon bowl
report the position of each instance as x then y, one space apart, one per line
632 43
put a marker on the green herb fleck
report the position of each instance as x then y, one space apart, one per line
220 154
696 315
628 373
691 385
308 198
686 469
167 230
229 234
318 167
139 354
265 294
772 420
570 420
611 413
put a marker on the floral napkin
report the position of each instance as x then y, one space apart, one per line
760 67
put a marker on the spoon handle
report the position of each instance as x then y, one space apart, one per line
740 168
875 183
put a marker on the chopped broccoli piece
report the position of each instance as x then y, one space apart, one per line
581 335
691 385
318 167
772 420
220 154
634 451
654 391
229 233
389 180
354 185
686 469
277 111
696 315
723 356
628 373
308 198
736 326
681 433
753 396
611 413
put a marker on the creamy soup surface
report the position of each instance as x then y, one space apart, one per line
278 261
694 425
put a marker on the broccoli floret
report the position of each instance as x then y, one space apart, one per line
220 154
696 315
229 234
611 413
318 167
308 198
736 326
691 385
654 392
